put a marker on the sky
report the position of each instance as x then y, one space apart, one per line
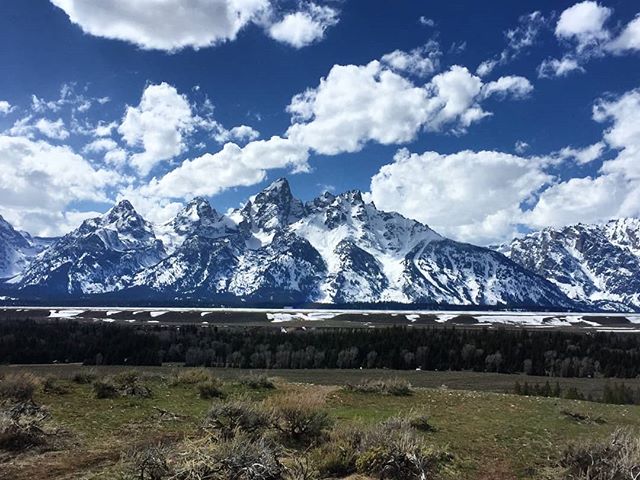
484 123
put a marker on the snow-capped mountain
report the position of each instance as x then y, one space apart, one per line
336 249
100 256
277 249
17 249
599 264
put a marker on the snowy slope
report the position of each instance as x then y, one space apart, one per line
592 263
100 256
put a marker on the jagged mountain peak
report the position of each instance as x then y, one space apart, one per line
198 210
273 208
593 263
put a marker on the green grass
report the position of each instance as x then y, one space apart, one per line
491 435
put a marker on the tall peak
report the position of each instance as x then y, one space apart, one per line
278 189
123 206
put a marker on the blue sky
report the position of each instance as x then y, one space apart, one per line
544 133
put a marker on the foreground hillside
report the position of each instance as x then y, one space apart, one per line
161 414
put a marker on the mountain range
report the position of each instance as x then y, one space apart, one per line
335 249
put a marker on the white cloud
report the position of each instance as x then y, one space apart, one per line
615 190
514 86
486 67
172 25
5 107
27 127
113 154
241 133
38 181
52 129
164 25
304 27
553 67
104 129
583 155
422 61
427 22
584 23
158 125
232 166
472 196
521 147
519 39
629 38
579 200
357 104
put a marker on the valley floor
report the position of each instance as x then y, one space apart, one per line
487 435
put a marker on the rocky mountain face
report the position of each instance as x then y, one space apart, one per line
17 249
598 264
277 249
102 255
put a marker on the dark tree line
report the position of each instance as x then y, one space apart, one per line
548 353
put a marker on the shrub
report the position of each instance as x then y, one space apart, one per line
210 389
18 387
85 377
616 458
105 389
21 426
389 386
396 453
148 463
299 417
129 384
257 382
53 386
337 457
421 423
240 416
190 377
239 458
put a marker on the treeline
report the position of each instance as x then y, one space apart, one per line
616 393
548 353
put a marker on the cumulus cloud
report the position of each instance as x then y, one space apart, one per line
583 155
212 173
583 27
356 104
112 153
304 27
29 127
38 181
584 23
52 129
241 133
474 196
158 125
513 86
629 38
5 107
422 61
167 25
172 25
615 190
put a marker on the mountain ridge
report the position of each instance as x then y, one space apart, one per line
334 249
